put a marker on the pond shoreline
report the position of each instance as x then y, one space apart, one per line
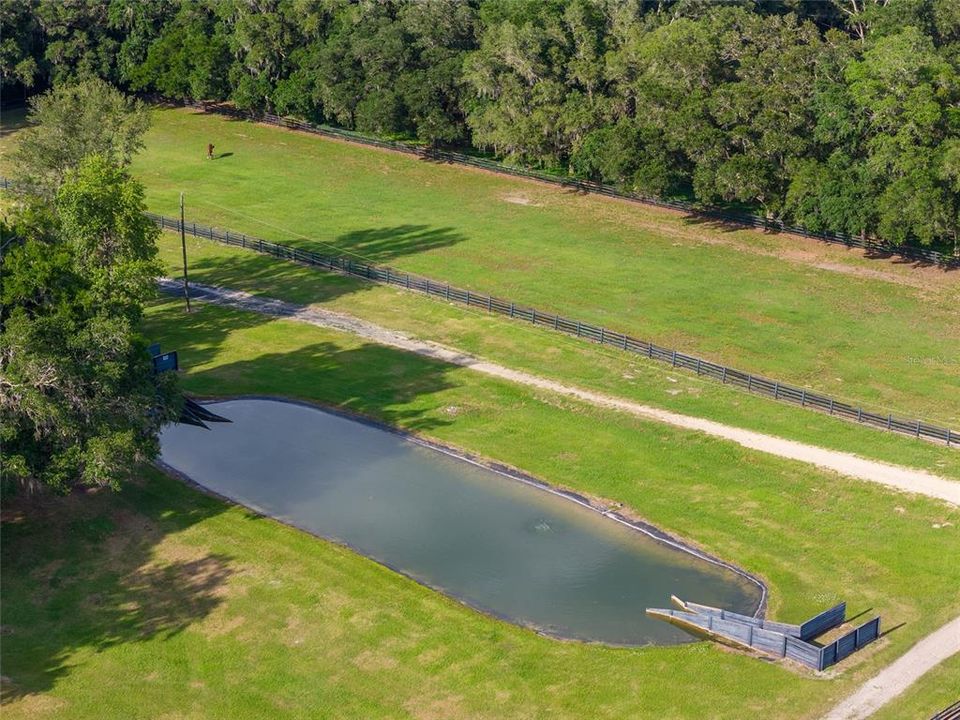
595 505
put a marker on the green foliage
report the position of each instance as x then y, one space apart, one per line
80 404
71 122
20 45
770 105
100 211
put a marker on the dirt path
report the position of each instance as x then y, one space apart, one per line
901 674
910 480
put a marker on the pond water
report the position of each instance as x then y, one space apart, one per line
499 544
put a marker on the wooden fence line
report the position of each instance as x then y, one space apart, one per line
880 247
749 633
601 335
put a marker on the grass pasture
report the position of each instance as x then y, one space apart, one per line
161 597
871 331
160 601
875 332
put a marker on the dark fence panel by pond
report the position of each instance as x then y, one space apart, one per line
748 632
871 245
598 334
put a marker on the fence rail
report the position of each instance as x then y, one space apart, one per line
598 334
871 245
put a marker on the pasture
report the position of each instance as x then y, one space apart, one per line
821 317
170 597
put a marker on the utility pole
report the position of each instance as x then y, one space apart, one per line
183 245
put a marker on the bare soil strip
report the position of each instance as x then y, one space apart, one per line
899 675
901 478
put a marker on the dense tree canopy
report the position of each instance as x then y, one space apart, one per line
71 122
79 403
843 115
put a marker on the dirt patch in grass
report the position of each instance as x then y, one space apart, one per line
449 706
374 661
520 199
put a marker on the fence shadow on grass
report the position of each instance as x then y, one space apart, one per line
89 571
381 246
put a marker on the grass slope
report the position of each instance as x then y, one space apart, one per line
549 354
641 270
162 601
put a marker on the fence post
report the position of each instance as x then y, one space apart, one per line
803 398
698 366
859 414
749 383
674 362
601 336
512 308
918 428
489 303
723 377
534 311
448 291
831 406
776 391
408 281
578 328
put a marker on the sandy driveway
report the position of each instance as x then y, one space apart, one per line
897 677
902 478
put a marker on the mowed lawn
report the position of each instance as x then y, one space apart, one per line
538 350
685 284
160 598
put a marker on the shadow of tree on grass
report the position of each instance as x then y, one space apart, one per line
235 352
82 573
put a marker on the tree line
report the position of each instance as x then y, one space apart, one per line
840 115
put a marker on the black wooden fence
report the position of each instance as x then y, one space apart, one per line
747 381
949 713
752 383
874 246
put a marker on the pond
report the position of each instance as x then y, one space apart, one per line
501 544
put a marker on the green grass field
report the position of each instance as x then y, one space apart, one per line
825 318
559 357
632 268
162 598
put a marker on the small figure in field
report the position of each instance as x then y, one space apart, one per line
210 151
